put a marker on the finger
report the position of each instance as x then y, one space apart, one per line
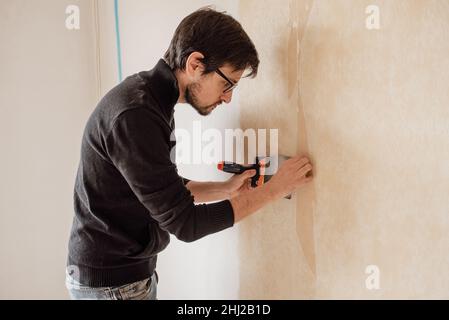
250 173
298 161
307 179
304 170
303 161
300 158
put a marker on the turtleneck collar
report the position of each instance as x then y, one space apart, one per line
163 85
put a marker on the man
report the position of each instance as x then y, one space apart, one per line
128 195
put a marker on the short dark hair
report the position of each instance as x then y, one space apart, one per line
218 37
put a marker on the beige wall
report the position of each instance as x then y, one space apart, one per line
370 108
48 87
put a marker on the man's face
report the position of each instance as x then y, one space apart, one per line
208 92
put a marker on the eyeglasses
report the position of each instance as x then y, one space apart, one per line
230 86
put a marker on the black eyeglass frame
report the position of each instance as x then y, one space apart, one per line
232 85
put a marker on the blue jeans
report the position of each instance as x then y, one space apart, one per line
141 290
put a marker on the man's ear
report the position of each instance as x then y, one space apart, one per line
194 65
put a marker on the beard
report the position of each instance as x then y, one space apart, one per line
192 99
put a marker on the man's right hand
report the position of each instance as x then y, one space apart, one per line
292 174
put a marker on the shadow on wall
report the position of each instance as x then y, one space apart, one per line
273 261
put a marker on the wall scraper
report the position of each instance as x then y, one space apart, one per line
265 168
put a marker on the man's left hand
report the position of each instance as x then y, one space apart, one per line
239 183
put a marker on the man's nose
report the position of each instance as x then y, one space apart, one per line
227 97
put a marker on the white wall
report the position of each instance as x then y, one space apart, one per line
48 89
208 268
49 86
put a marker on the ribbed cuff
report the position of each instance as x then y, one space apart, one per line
220 215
